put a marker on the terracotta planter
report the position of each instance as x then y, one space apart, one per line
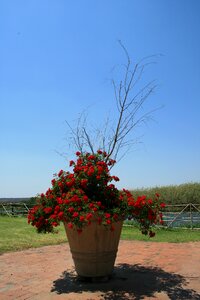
94 250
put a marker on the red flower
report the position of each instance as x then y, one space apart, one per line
48 210
88 216
53 181
115 217
60 173
84 183
57 208
99 219
70 225
59 200
107 215
60 215
82 218
54 224
115 178
60 185
85 198
91 157
71 163
100 169
75 214
71 209
71 182
53 216
90 171
78 153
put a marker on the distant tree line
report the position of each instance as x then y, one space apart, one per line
29 201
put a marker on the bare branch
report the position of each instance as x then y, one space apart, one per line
129 100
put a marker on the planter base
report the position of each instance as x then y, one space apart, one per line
94 250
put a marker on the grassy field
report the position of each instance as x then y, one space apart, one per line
16 234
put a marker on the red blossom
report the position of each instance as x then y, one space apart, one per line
107 215
88 216
71 209
48 210
60 215
84 182
53 181
70 225
91 157
59 200
82 218
71 163
99 219
75 214
115 178
60 173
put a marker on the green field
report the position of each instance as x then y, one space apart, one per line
16 234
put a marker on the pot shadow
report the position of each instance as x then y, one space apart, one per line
129 282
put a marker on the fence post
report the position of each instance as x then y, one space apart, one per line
191 216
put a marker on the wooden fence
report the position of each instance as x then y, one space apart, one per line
14 209
181 215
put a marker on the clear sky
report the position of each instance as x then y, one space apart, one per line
56 58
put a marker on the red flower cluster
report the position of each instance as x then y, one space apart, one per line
86 194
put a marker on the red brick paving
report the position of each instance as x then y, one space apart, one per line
143 270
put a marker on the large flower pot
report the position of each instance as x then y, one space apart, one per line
94 250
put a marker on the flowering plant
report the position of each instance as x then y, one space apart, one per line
88 193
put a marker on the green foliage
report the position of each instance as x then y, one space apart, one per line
173 194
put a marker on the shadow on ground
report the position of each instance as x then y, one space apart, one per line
129 282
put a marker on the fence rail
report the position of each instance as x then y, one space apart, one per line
14 209
188 215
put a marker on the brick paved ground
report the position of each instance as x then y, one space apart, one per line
144 270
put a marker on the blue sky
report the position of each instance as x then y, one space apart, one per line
56 59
